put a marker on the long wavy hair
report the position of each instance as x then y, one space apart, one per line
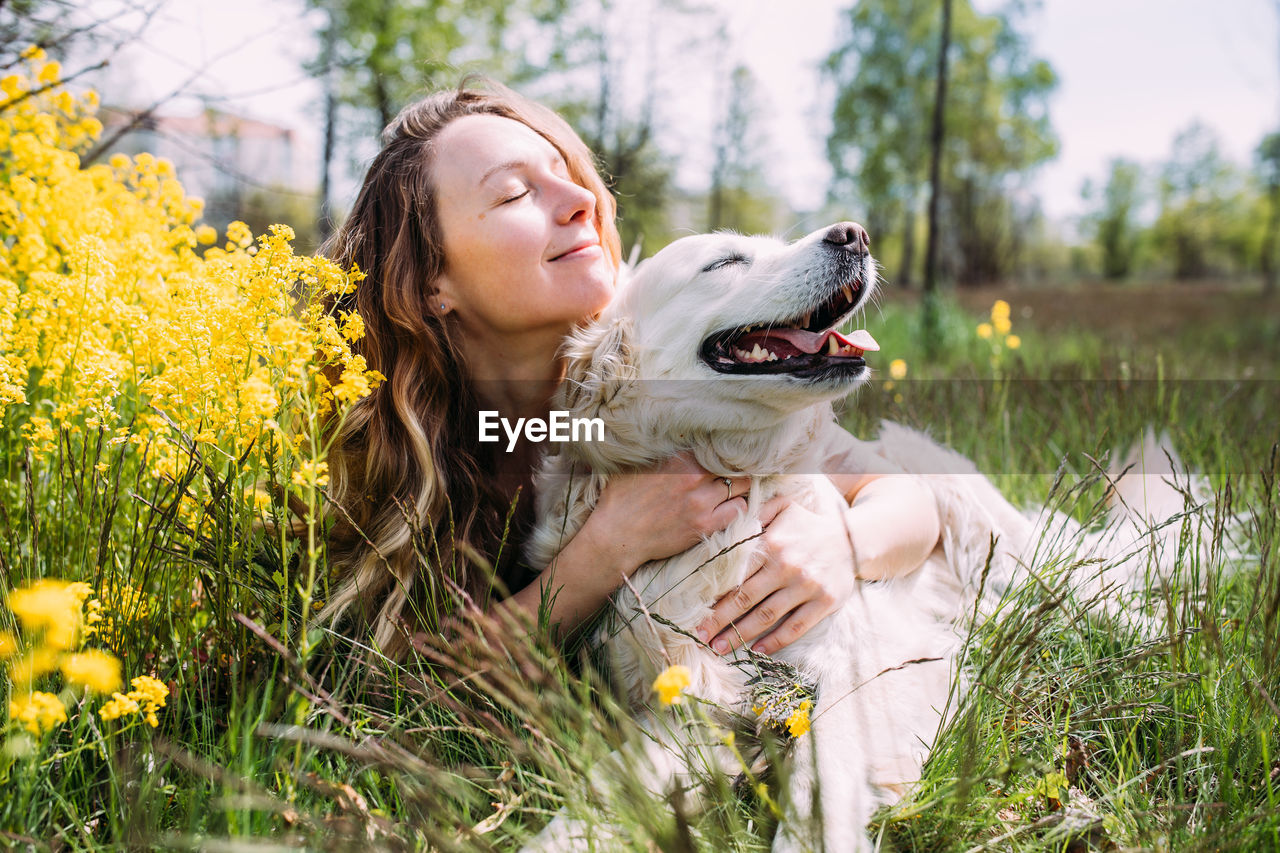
415 510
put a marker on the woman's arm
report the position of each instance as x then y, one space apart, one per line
641 516
892 526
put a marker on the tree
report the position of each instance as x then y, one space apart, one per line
1268 157
1199 191
740 197
1116 232
377 55
997 127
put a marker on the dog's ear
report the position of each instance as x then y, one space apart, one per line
599 368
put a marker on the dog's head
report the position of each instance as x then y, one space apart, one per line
727 332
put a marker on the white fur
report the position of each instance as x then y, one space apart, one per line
639 369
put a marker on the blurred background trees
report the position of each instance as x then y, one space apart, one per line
621 73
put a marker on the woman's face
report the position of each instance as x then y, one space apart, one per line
522 254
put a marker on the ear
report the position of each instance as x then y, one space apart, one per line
599 368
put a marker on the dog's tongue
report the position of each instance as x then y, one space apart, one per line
809 342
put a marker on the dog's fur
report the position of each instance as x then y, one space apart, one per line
642 369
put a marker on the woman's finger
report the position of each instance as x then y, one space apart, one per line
763 617
736 604
790 629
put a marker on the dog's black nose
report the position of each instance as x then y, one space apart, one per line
849 236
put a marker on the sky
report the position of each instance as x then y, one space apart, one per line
1132 74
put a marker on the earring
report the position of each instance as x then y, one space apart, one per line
441 306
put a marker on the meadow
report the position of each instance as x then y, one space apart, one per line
164 394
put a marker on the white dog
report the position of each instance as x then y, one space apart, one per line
725 346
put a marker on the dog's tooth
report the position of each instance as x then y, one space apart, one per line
832 346
757 353
848 292
773 356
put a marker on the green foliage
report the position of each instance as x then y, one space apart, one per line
1116 232
997 129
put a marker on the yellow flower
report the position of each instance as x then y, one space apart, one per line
8 644
151 692
1002 325
37 712
51 605
1000 310
118 706
206 235
33 53
670 684
96 670
1013 342
311 474
898 369
25 670
798 723
50 72
147 696
984 330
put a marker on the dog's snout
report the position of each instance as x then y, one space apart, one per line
849 236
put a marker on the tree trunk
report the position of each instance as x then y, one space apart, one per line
935 180
906 272
326 224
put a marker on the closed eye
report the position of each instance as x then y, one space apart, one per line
516 197
728 260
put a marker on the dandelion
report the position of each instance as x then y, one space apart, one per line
671 683
1013 342
37 712
898 369
984 330
96 670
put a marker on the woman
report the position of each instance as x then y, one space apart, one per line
485 235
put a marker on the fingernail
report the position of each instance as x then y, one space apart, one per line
721 646
702 635
758 648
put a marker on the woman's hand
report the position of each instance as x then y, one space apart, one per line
659 512
806 573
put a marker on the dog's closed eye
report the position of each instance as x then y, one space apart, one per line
728 260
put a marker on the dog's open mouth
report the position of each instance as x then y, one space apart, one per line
805 345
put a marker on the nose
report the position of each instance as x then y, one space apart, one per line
578 201
849 236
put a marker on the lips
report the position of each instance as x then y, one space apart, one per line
577 248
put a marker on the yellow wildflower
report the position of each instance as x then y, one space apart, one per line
352 326
37 712
984 330
94 669
353 386
999 311
798 723
151 693
671 682
8 644
24 671
311 474
1013 342
206 235
257 397
898 369
50 73
1002 325
119 705
51 605
33 53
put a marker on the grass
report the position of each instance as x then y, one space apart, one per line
1076 732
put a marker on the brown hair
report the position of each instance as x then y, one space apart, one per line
416 511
